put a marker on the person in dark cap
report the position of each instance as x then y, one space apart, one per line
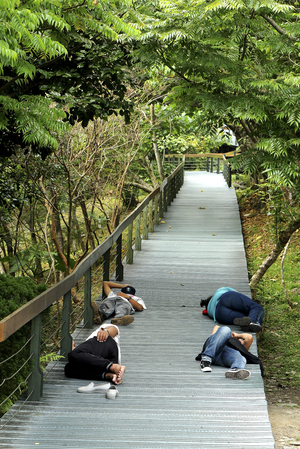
120 305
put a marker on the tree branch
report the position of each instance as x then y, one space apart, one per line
274 24
283 239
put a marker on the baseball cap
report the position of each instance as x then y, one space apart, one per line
129 290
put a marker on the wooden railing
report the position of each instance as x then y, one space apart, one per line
148 212
211 162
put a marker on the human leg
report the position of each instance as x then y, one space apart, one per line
230 358
122 308
106 307
122 313
236 305
215 344
236 363
92 359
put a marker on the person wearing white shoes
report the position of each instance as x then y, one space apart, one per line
121 305
228 349
97 358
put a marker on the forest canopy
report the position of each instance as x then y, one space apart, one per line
85 82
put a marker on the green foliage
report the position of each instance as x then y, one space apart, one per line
238 62
14 292
278 344
55 55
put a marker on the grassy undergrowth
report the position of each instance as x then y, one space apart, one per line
279 341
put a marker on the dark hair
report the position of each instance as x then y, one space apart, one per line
204 302
129 290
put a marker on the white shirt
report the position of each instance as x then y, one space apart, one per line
136 298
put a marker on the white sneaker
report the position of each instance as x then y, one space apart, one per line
112 392
91 388
239 374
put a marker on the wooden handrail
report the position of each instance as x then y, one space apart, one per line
31 309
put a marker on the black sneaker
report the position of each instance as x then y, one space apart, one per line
205 366
252 327
238 374
244 321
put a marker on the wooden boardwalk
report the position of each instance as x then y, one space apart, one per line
165 401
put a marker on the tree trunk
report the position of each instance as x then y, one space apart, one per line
87 222
31 224
284 237
155 148
7 239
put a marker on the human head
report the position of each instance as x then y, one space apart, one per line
204 302
129 290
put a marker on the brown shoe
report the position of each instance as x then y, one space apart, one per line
97 318
123 321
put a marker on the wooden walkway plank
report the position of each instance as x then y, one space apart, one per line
165 401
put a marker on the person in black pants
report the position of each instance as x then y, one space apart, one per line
97 358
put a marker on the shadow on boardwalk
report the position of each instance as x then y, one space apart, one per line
165 401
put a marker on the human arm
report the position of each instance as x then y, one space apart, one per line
136 305
108 285
245 339
107 331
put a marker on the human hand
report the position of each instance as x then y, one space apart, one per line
102 335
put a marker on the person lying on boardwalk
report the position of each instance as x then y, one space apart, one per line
97 358
229 349
227 306
122 304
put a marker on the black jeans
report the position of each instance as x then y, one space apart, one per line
92 359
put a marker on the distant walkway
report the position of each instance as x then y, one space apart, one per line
165 401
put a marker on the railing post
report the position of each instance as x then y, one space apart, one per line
229 175
207 164
66 339
35 382
211 164
165 193
156 218
88 315
129 256
106 262
151 226
138 240
169 194
119 265
161 210
145 225
218 165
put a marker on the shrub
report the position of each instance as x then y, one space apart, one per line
14 292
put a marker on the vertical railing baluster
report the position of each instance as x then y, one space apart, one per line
165 196
156 220
88 314
138 240
66 339
129 255
106 263
161 209
35 382
119 264
151 225
145 224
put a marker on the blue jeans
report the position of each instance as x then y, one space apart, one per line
233 305
218 353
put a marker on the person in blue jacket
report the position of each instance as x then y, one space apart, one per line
227 306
